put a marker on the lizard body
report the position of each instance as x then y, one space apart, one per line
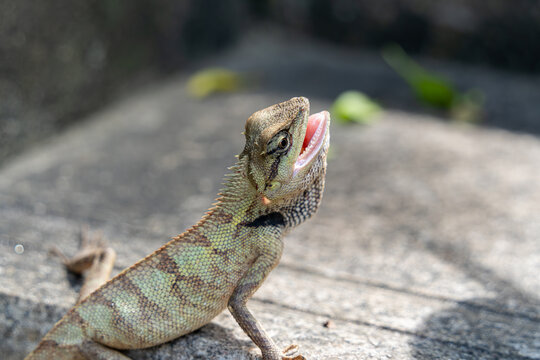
221 261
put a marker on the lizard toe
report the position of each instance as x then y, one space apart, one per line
290 353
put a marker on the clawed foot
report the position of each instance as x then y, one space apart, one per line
91 248
94 261
290 353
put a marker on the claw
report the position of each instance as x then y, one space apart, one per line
290 351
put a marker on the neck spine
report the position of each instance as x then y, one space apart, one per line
238 198
237 186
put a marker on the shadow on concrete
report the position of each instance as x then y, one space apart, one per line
471 332
503 327
217 342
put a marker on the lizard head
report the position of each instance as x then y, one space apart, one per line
286 148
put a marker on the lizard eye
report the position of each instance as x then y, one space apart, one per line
283 143
280 143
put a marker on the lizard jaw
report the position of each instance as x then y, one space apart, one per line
314 139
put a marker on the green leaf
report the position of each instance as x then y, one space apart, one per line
209 81
354 106
430 88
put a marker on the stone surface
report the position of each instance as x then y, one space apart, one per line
426 245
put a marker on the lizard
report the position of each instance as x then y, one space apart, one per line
276 184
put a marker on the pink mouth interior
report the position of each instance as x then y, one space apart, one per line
315 131
313 124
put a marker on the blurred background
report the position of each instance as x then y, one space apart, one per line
473 60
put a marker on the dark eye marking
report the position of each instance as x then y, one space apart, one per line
274 169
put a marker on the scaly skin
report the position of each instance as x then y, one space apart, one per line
221 261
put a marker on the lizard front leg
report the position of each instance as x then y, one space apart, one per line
251 281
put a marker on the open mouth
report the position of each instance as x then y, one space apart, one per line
313 140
